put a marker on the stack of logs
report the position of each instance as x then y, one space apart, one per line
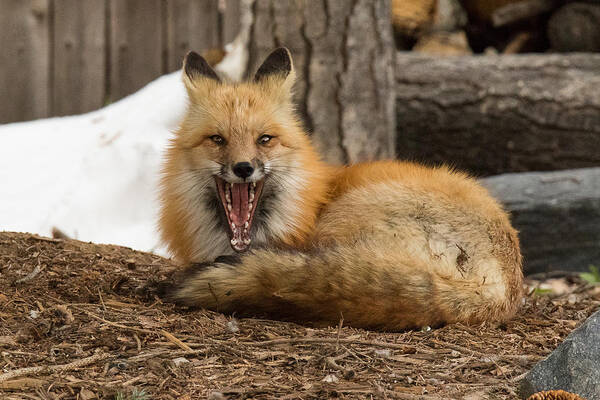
450 27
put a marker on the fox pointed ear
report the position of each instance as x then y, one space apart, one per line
196 69
277 68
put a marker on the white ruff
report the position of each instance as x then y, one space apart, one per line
285 209
203 223
209 239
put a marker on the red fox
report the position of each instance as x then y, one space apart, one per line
384 245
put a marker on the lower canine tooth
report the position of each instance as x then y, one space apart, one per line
246 241
233 242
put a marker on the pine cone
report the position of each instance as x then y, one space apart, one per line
555 395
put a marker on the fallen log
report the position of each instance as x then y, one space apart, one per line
557 215
491 115
575 27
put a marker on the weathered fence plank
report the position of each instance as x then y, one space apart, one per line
231 20
136 46
79 59
24 59
191 25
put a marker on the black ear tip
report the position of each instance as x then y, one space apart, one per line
278 62
281 56
282 52
195 65
194 62
192 57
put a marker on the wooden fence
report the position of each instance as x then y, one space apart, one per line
61 57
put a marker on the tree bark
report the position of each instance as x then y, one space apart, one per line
343 55
492 115
557 215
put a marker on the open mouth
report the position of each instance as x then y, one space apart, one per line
239 201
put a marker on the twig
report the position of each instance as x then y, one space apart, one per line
48 369
38 268
166 334
116 325
406 396
175 341
339 331
518 377
275 342
133 380
138 342
21 383
45 239
170 352
492 358
332 362
101 300
517 43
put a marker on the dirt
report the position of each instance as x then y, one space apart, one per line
75 323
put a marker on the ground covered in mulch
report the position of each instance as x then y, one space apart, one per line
75 323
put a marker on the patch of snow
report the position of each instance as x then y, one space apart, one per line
93 176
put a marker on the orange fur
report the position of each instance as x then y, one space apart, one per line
390 245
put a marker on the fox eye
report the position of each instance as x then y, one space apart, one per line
218 139
264 139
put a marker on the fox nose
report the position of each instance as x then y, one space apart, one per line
243 169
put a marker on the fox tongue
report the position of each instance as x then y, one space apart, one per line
240 212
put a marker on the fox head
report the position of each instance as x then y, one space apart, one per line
236 173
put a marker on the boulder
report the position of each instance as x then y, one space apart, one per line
574 366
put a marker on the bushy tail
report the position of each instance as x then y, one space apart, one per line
367 286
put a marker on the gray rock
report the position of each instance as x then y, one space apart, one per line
557 215
574 366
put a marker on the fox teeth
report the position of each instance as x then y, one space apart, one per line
227 197
249 207
233 226
253 184
251 198
246 241
246 224
234 242
229 207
